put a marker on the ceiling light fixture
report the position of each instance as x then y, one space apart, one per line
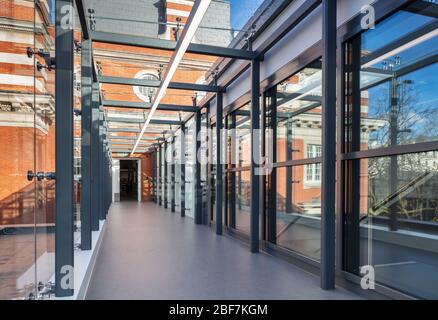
198 11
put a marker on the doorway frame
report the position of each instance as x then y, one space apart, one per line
139 184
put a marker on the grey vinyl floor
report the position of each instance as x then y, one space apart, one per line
150 253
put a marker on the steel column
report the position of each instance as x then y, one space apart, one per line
352 187
101 169
198 187
329 29
232 175
64 261
183 171
219 178
272 195
255 155
165 175
154 174
289 171
263 179
160 178
86 100
172 175
95 186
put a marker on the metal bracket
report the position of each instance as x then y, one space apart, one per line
49 66
50 61
176 29
45 290
92 19
78 46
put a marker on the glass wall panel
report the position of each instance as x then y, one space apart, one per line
243 139
178 171
398 80
212 157
390 202
299 114
243 198
17 149
298 211
45 159
398 215
239 175
27 151
293 193
190 168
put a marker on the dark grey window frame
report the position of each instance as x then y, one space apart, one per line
347 33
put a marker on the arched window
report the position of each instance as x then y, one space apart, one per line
146 93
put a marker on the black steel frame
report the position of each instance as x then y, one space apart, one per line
328 187
64 148
156 84
330 33
348 166
86 123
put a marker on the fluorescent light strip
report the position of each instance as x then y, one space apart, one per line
198 11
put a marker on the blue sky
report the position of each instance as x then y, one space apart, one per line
395 27
241 11
52 10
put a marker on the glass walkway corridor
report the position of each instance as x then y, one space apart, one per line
218 149
168 257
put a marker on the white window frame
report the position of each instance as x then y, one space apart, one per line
312 172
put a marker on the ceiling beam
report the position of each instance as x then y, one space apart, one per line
82 19
153 121
125 150
131 138
129 143
157 83
168 45
147 106
134 130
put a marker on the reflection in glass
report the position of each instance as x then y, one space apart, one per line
242 138
391 205
213 167
397 80
398 216
298 206
299 113
190 168
27 143
243 198
401 110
